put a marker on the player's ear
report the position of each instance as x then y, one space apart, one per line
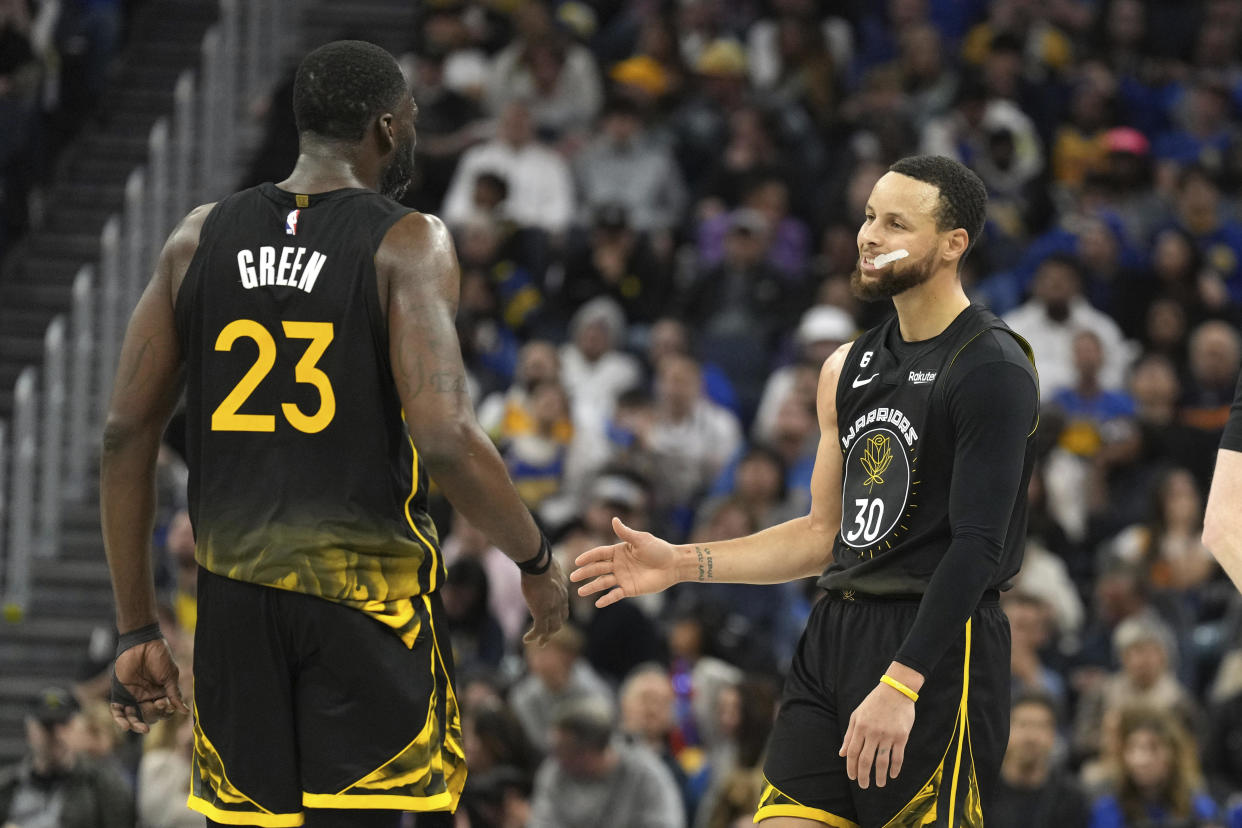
386 132
954 245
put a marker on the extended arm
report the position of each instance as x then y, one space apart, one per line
642 563
423 283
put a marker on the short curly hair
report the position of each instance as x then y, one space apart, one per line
344 85
963 198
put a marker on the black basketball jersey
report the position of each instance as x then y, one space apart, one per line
302 473
897 444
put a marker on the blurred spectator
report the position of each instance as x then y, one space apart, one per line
1215 356
536 459
448 124
692 437
1030 623
626 166
493 738
507 414
87 36
557 77
737 770
164 775
1126 178
967 131
741 306
1146 649
1052 316
20 76
1156 780
475 634
1222 750
540 186
497 798
1215 229
1034 791
646 700
594 778
1177 274
757 485
1088 408
1203 134
558 674
95 736
788 238
593 368
504 580
1168 547
614 259
701 123
57 785
698 679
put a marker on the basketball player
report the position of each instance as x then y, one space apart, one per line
895 711
1222 520
311 324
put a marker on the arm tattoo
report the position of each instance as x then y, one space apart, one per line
706 564
448 382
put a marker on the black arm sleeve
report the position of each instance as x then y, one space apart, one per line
1232 438
993 409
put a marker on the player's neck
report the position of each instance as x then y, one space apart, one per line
926 310
320 173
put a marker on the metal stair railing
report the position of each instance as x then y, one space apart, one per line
190 159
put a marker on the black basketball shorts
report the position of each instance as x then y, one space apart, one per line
960 732
303 703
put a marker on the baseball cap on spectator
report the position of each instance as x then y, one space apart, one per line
1126 140
53 705
616 489
825 322
723 57
643 72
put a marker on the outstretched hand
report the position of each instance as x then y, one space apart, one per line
150 675
640 564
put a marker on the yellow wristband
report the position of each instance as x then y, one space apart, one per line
899 687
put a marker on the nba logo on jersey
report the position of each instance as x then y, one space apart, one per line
291 223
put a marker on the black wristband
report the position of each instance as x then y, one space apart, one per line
133 638
542 560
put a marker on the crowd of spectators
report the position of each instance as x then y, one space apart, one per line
56 59
655 205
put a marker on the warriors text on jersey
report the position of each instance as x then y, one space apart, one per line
302 474
897 443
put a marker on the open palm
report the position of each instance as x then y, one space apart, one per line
640 564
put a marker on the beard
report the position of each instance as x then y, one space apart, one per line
895 279
399 172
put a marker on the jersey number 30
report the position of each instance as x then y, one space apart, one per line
226 416
868 522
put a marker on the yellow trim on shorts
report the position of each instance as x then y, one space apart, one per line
397 802
263 820
832 820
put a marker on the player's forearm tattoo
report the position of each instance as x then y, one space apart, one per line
449 382
706 564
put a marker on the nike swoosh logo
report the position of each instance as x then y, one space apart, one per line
859 383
